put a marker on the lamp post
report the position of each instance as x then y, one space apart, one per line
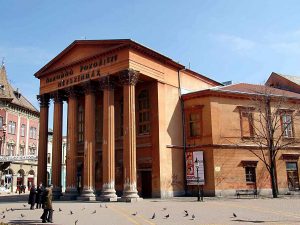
197 164
3 139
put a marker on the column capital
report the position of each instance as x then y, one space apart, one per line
72 92
128 77
89 87
107 82
58 97
44 100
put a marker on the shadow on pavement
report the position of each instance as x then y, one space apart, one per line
32 222
255 221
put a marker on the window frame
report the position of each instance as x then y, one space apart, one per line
291 125
143 125
250 112
250 175
22 130
195 109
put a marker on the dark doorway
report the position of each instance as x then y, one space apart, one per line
292 176
146 184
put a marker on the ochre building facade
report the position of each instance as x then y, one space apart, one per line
124 123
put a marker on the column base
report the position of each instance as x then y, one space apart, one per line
130 196
70 194
87 195
108 195
56 193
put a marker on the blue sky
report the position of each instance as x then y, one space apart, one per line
238 40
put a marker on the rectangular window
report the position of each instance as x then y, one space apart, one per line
11 127
143 112
1 122
246 124
22 130
250 174
32 132
194 124
49 158
287 125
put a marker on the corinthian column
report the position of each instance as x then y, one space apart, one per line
108 144
88 192
71 162
129 79
43 139
57 145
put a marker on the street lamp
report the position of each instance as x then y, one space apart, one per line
3 139
197 164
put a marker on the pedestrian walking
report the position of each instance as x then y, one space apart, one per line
32 197
47 205
39 196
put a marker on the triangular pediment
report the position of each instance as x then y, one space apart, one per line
80 50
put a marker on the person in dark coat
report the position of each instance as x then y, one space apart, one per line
39 196
47 205
32 197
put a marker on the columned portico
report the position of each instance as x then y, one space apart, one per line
71 162
43 138
129 79
108 144
57 145
88 192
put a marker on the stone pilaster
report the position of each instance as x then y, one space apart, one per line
108 144
88 192
57 145
43 138
71 161
129 79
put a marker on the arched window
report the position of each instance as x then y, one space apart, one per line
80 123
143 112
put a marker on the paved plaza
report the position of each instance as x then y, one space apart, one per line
284 210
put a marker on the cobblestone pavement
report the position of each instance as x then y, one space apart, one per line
284 210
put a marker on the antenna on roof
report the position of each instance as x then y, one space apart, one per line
189 65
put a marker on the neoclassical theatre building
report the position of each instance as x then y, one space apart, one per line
124 123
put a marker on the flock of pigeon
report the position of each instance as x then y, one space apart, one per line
186 213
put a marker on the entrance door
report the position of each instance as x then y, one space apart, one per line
146 184
292 176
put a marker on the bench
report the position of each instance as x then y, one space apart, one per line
246 192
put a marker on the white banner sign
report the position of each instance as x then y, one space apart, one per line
17 158
191 169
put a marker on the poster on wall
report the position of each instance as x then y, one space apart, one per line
191 169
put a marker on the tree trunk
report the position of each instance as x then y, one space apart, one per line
273 181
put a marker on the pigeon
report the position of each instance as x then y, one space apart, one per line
164 209
234 215
59 209
3 212
94 212
186 214
193 217
3 216
12 209
185 211
105 206
76 221
100 206
167 216
134 214
153 216
22 215
24 205
83 209
71 212
7 209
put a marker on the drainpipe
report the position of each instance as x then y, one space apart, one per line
183 131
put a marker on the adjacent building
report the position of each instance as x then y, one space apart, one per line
19 135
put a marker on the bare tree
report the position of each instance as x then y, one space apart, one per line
272 118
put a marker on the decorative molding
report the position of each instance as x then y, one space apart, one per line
57 96
44 100
107 82
128 77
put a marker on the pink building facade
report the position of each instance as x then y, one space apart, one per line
19 129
